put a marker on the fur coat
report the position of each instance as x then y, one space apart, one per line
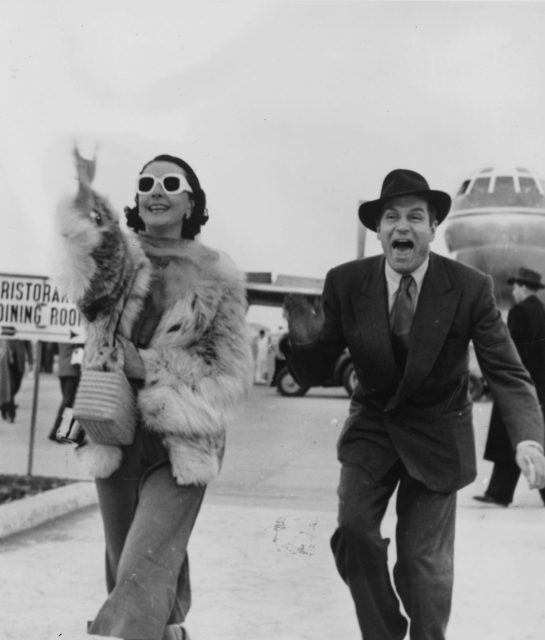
198 364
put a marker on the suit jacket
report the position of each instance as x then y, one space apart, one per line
421 415
526 323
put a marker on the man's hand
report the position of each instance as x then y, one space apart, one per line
305 319
532 464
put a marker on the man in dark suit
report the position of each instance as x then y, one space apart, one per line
407 318
526 323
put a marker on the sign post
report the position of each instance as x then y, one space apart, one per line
33 308
34 409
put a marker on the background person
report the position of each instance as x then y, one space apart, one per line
70 357
262 357
5 383
407 318
526 323
49 351
186 347
17 358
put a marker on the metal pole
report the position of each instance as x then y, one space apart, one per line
37 367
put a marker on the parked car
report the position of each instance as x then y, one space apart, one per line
343 375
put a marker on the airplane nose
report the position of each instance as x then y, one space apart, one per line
497 221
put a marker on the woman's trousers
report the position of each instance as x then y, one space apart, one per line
147 525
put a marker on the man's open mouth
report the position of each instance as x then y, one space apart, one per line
403 245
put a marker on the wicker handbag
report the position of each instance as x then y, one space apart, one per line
105 406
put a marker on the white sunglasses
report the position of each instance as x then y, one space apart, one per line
172 183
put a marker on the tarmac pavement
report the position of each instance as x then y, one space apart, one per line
265 572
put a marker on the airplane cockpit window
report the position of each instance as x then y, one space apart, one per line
505 183
504 189
529 186
480 186
529 189
463 187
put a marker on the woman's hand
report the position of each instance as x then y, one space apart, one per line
305 319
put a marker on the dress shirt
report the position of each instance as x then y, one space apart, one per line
393 278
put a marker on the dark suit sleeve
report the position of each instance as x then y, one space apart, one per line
520 328
312 364
511 385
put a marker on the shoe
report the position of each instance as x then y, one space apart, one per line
490 500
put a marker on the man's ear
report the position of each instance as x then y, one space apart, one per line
433 227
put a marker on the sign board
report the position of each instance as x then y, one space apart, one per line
33 308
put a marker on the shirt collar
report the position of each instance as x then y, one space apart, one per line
393 277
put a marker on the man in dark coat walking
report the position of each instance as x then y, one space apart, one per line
526 323
407 318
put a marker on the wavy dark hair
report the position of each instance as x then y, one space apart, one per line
199 215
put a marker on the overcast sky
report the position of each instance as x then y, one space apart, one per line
290 112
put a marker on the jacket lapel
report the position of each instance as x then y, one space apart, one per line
437 304
370 301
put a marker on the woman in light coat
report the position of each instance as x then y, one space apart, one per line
178 309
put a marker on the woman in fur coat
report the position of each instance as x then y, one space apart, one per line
177 309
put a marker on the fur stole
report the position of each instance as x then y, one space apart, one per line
198 364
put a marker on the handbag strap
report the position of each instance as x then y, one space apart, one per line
114 342
124 298
113 351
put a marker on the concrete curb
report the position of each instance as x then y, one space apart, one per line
30 512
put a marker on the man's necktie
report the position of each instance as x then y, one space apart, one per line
401 318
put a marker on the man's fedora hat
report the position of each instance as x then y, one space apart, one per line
528 277
403 182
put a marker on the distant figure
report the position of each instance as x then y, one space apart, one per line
69 372
253 346
5 384
262 357
14 354
526 322
49 349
